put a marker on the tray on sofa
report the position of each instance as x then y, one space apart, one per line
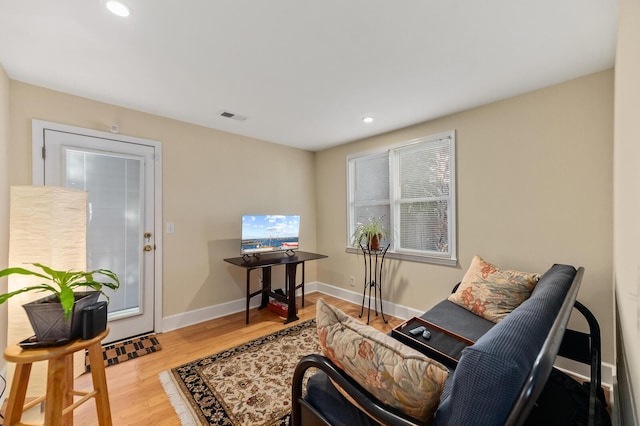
443 345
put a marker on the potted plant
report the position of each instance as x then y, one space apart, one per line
57 316
371 233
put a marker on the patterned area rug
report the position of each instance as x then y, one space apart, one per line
246 385
123 351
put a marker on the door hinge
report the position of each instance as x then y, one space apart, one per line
44 152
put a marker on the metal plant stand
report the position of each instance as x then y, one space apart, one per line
373 260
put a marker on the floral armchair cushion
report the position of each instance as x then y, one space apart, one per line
395 374
492 293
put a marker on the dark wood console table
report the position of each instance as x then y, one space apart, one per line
265 262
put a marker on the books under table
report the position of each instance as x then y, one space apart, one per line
279 308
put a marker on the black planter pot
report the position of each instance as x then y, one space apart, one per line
47 317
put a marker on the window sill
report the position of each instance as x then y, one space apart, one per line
411 257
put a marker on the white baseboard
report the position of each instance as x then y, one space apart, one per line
395 310
583 371
174 322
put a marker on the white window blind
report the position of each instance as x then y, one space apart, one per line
411 186
371 188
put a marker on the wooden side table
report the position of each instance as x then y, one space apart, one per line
59 404
441 344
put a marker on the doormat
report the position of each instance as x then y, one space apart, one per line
118 352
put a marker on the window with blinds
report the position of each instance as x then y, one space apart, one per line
411 188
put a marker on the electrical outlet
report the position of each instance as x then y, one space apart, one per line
352 281
170 228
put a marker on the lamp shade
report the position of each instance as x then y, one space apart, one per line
48 225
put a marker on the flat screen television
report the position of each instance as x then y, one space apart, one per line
269 233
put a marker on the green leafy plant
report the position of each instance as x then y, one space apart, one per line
61 283
370 232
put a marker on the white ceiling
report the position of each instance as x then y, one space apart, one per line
305 73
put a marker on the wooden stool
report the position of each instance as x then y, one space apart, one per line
58 400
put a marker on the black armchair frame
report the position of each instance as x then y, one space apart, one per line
586 348
530 392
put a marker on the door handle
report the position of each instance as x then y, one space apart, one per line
148 247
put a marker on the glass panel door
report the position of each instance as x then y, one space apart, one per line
119 177
114 229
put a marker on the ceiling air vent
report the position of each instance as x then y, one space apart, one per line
228 114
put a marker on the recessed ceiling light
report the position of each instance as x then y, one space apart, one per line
368 120
118 8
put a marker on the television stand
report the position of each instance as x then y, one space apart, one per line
265 263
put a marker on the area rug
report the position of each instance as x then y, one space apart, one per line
125 350
246 385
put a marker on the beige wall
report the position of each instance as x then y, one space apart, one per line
210 179
534 188
4 200
627 204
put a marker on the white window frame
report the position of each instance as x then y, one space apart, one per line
394 251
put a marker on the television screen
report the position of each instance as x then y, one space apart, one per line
266 233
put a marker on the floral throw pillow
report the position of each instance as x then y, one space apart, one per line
492 293
394 373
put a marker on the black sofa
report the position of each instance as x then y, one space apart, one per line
496 381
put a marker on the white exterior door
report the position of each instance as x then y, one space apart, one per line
120 175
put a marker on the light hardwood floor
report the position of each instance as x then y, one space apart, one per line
135 393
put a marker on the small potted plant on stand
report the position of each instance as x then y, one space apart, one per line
57 317
370 233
